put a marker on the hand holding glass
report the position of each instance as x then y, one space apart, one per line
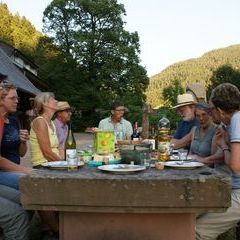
23 135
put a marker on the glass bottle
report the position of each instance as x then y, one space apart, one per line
136 134
163 139
153 138
70 144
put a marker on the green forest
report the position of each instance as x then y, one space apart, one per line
200 69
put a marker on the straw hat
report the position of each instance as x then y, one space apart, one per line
63 106
185 99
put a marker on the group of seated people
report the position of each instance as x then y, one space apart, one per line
47 144
210 131
47 138
197 130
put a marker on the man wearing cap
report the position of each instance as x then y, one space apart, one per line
186 109
63 116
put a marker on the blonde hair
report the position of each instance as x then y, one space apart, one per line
41 99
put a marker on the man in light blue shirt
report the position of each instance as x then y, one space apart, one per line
121 127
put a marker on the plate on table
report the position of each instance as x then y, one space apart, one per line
175 157
122 168
152 163
59 164
185 165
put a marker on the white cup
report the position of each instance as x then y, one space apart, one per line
72 163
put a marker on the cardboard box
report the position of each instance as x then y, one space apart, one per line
104 142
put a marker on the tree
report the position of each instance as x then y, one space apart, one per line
18 31
25 37
5 23
170 93
225 73
92 33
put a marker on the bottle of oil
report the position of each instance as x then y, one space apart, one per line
70 144
163 139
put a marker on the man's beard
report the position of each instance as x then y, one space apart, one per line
187 119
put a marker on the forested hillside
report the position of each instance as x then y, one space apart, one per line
192 70
18 31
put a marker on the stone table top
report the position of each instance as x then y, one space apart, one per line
91 190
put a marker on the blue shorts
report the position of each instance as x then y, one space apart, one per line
10 179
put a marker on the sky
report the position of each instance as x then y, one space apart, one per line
169 30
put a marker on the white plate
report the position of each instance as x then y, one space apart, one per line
59 164
147 165
175 157
185 165
121 168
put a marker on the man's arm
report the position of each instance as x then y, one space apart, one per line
129 129
101 125
183 142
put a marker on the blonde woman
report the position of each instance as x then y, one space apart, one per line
43 136
44 144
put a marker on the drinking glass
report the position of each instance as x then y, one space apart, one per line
171 148
72 162
119 135
182 154
145 159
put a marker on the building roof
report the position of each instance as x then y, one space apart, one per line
15 75
197 89
11 51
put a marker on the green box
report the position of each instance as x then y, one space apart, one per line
104 142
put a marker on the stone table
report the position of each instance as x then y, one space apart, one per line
151 204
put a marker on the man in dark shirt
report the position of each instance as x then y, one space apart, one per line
186 109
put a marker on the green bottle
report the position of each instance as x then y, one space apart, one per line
70 144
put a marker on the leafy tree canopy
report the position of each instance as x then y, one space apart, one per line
225 73
92 33
170 93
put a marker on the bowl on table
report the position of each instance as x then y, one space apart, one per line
134 152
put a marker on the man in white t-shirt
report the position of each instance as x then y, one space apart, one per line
226 102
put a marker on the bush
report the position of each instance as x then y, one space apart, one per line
167 112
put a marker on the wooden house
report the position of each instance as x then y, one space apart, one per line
19 70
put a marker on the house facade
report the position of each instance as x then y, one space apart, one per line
19 70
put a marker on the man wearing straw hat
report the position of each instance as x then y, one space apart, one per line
186 109
63 117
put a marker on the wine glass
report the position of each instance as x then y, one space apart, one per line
182 154
119 135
